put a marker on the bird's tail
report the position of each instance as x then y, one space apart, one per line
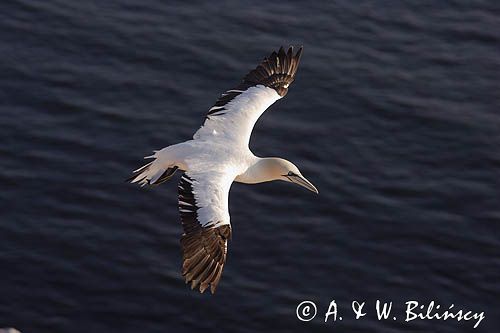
153 173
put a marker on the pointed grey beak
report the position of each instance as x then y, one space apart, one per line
300 180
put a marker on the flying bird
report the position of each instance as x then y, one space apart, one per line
217 156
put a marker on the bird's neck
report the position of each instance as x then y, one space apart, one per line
262 170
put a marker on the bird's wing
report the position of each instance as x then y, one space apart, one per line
234 114
203 206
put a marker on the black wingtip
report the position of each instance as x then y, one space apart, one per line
299 53
276 71
290 53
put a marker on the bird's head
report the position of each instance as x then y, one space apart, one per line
282 169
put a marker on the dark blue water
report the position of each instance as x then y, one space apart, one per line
394 116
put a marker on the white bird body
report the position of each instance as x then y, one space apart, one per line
217 155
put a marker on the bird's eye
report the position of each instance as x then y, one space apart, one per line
290 173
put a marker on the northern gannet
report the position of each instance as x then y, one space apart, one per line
217 155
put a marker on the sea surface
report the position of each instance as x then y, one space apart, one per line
394 116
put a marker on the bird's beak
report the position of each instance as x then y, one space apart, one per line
300 180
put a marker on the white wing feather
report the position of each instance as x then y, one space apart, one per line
211 193
235 123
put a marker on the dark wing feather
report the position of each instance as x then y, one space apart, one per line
276 71
204 249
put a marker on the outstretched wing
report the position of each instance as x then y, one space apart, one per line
234 114
203 206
